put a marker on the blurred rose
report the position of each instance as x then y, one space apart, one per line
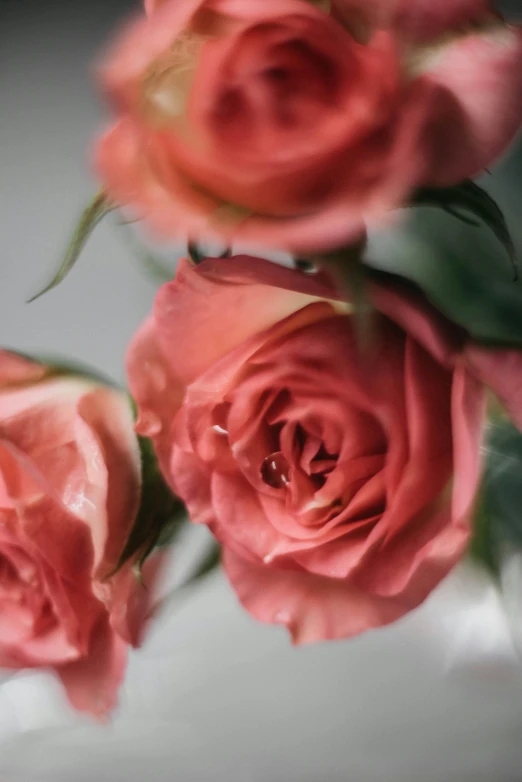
69 493
291 123
340 484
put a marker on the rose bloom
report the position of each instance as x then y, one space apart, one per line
292 123
339 476
69 492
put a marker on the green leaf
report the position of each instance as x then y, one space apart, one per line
499 517
471 198
91 216
460 269
160 516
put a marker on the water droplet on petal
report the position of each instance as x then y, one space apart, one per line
275 471
219 429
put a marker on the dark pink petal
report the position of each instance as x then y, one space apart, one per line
209 310
417 556
418 318
469 418
312 608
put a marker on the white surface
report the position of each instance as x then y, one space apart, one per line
214 696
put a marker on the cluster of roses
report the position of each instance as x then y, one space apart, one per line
338 470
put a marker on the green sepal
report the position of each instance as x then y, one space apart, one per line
345 268
160 516
97 209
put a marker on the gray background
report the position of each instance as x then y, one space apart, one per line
213 695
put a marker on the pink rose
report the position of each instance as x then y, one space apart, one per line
339 483
281 124
69 491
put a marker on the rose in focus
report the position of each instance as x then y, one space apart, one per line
339 482
69 493
291 124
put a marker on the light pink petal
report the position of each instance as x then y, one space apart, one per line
108 415
49 402
47 527
312 608
132 599
92 683
45 650
60 539
15 369
480 104
501 370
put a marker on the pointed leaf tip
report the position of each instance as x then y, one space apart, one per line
471 198
90 217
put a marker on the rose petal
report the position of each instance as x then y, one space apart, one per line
417 317
423 20
142 40
108 415
15 369
501 370
132 599
220 304
312 608
418 556
131 181
480 110
469 417
429 432
92 683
